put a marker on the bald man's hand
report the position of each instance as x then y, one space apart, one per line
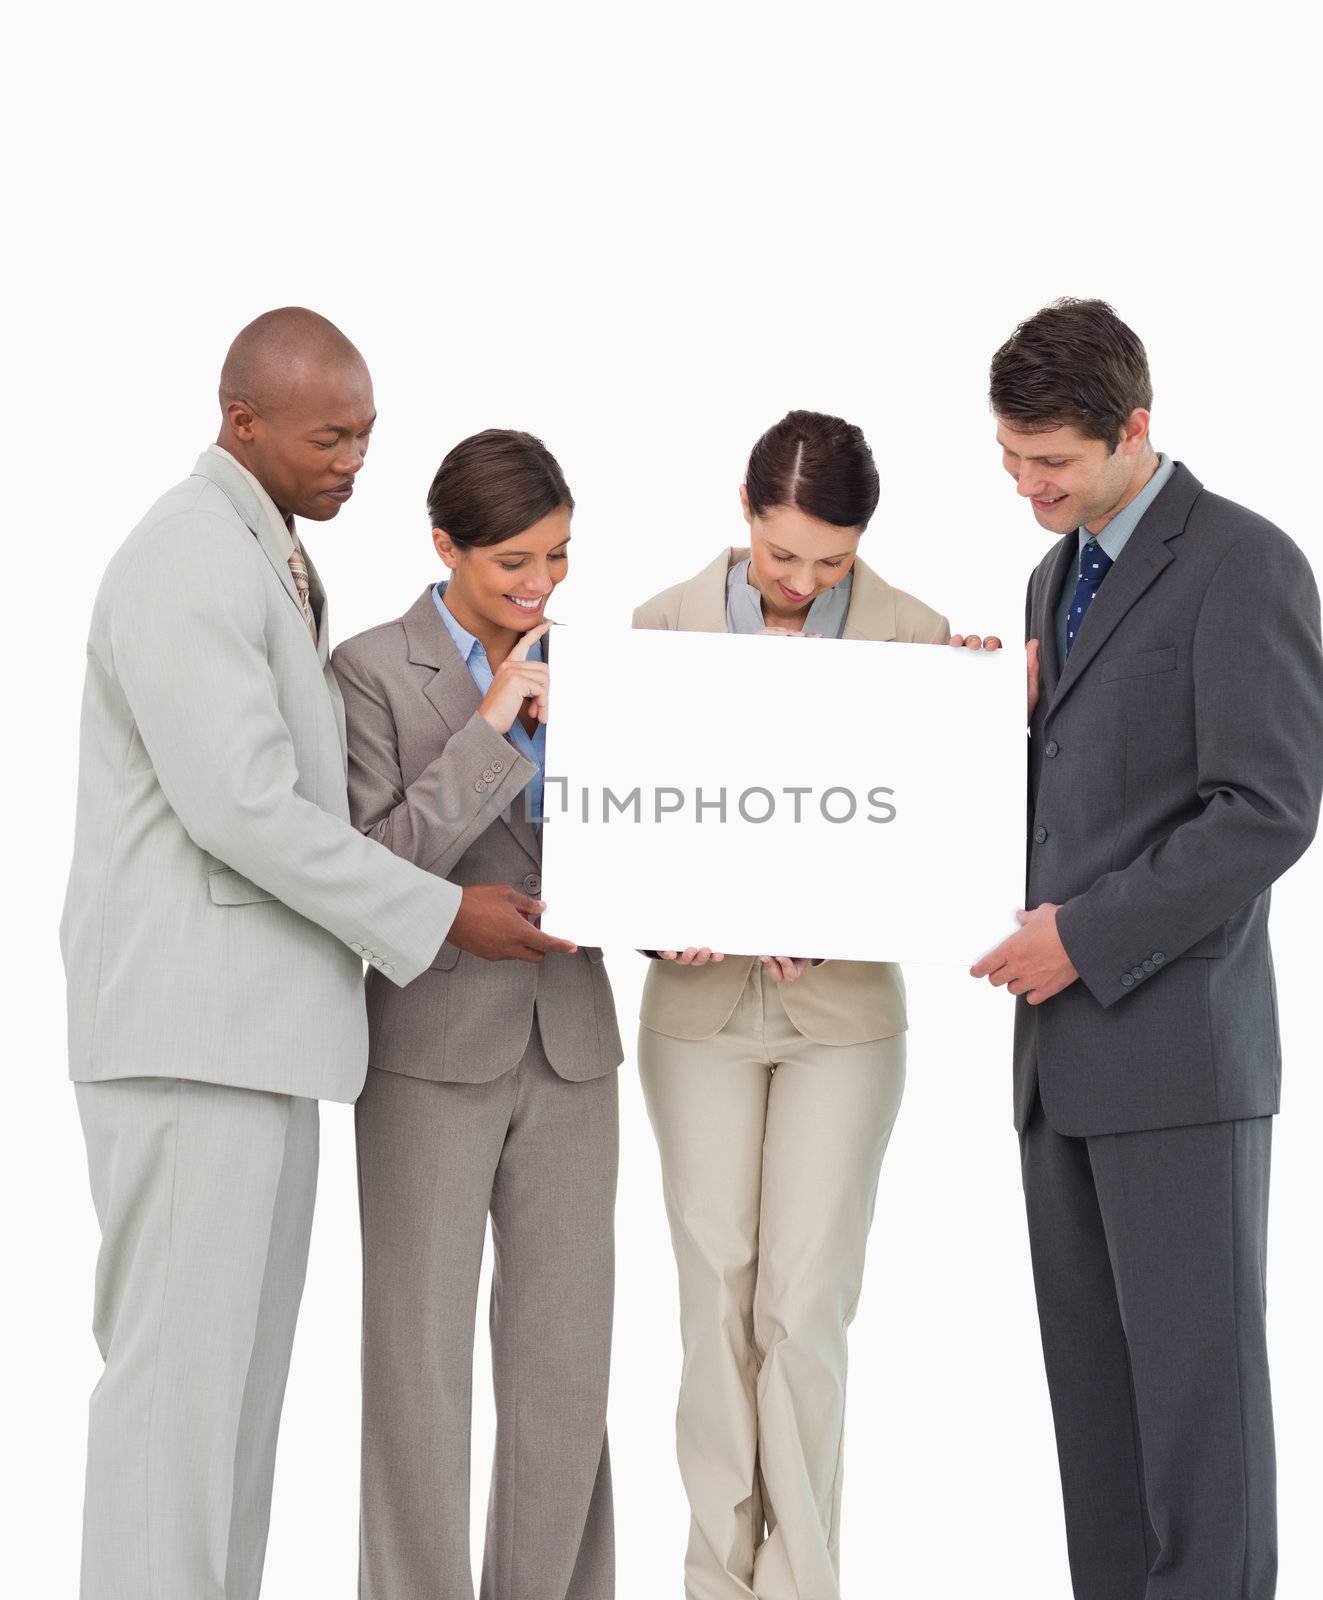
493 922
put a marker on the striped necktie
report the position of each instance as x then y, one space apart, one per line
299 568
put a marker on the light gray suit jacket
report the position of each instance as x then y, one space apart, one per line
434 780
220 904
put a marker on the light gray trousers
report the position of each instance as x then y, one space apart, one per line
205 1196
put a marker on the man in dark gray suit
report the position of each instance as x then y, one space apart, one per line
1176 762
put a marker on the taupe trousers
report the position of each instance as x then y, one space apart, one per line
538 1152
771 1145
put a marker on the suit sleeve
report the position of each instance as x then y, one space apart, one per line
433 820
188 646
1258 677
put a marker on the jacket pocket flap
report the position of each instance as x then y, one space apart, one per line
230 888
1138 665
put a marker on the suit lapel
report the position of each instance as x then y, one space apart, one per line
454 696
261 518
703 598
1143 558
1060 566
451 690
872 611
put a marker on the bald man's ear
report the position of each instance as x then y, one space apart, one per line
240 416
445 548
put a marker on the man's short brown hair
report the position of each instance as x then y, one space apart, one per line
1074 363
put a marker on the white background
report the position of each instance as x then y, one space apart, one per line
644 234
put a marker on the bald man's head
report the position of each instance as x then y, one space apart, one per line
296 409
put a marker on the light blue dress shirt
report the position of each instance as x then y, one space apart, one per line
1114 538
474 657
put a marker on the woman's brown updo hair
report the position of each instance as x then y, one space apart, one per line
492 486
818 464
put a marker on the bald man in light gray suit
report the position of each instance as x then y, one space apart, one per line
219 910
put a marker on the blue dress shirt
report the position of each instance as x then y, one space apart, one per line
474 657
1114 538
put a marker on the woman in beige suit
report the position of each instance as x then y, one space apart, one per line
491 1088
772 1082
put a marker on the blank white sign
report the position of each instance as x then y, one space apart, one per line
769 795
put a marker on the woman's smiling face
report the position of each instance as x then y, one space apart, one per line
794 558
507 585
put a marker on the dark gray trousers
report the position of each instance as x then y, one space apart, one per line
1148 1254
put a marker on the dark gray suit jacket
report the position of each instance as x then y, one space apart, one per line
434 782
1175 770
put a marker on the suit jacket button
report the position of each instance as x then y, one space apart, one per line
480 787
488 774
387 968
1051 748
1127 980
1158 958
1136 973
1148 965
498 766
1040 835
532 883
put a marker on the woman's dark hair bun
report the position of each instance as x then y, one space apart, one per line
821 465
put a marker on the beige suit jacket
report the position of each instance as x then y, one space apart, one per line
833 1002
435 782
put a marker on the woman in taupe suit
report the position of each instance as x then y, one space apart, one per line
772 1083
491 1087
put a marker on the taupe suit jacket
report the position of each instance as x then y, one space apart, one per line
833 1002
435 782
220 905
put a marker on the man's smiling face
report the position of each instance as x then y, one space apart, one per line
1070 481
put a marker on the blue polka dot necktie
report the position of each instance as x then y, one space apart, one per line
1095 564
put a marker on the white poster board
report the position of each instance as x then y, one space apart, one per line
787 796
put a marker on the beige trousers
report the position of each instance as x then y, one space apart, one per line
770 1147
